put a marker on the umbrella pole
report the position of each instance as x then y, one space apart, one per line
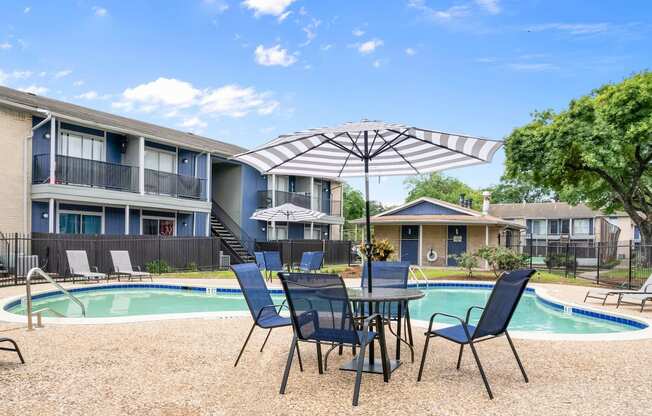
369 245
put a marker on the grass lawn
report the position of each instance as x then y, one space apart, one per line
431 274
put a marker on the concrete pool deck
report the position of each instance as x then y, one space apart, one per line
185 367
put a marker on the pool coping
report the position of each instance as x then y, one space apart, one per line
644 330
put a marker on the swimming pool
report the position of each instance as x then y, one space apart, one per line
535 314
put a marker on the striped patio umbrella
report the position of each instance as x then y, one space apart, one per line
287 212
368 147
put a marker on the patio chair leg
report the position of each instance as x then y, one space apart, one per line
484 377
15 349
358 374
423 356
245 344
587 296
618 304
643 304
518 360
320 363
299 357
288 365
459 357
266 338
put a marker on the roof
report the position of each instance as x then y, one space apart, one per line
34 103
459 215
546 210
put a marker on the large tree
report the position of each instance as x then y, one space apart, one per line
436 185
510 191
596 151
354 205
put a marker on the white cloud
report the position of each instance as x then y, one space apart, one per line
572 28
326 47
377 63
486 60
42 74
311 31
5 45
369 46
410 51
271 7
235 101
533 67
274 55
193 123
63 73
492 6
89 95
100 11
35 89
3 76
27 9
163 91
284 16
220 6
79 83
21 74
358 32
444 15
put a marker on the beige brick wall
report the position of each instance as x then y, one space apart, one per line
435 237
391 233
14 129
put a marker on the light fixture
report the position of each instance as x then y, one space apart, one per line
45 215
184 160
185 224
46 136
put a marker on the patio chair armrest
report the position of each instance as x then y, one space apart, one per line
138 268
96 269
468 312
260 311
647 288
464 324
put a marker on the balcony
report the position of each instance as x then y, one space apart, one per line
327 206
86 172
170 184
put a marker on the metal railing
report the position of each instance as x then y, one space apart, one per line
417 275
246 241
78 171
164 183
28 296
304 200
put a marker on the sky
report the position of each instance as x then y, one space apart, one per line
245 71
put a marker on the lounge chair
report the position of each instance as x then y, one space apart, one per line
495 318
265 313
636 297
306 262
14 349
317 260
273 263
260 260
321 313
78 266
122 266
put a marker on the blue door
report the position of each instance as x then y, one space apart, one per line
410 243
456 242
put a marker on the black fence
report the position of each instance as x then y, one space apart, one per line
335 251
626 264
19 253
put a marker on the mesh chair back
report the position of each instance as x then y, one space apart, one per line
319 306
317 260
387 274
306 260
502 302
260 260
273 261
121 261
254 289
78 261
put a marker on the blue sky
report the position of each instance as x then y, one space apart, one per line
246 71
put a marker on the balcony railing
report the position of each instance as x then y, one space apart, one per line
78 171
164 183
327 206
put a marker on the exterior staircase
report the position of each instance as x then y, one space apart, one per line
222 225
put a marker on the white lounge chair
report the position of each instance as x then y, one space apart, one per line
78 265
636 297
122 266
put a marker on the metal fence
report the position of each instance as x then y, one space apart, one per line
19 253
335 251
626 264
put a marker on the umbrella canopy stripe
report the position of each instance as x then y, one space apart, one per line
287 212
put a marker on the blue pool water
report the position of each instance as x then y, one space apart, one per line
532 313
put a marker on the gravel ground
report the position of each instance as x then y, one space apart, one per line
185 367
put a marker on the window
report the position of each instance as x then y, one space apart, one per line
537 227
158 226
583 226
160 160
81 146
79 223
553 227
565 226
280 230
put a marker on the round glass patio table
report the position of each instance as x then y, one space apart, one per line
378 296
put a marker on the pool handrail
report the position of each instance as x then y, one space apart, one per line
28 294
417 277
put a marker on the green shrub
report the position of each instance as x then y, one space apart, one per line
157 267
502 259
557 260
467 262
192 267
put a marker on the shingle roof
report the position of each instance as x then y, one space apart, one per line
545 210
33 102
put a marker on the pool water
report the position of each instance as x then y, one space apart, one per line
531 314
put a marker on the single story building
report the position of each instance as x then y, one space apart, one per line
430 232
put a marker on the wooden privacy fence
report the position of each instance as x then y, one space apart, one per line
335 251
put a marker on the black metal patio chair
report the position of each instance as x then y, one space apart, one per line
493 322
265 313
14 349
321 313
